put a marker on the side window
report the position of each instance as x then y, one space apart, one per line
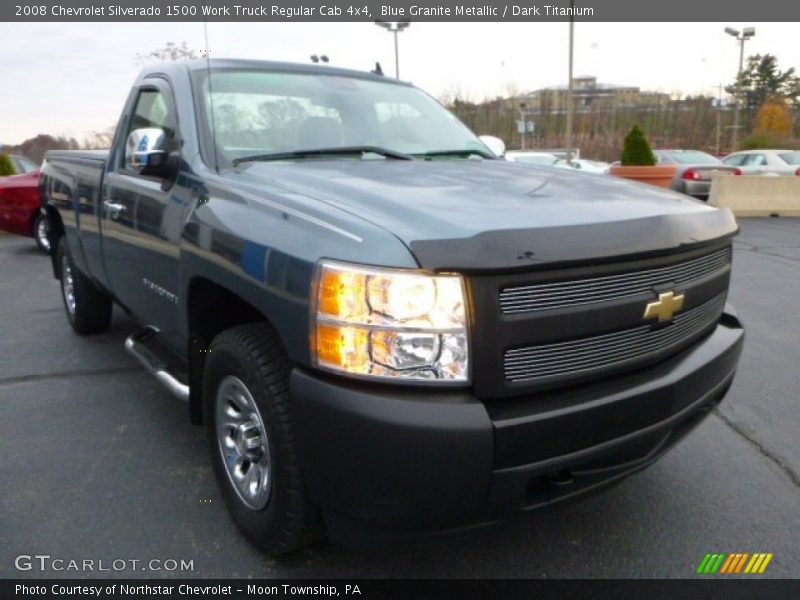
756 160
152 111
735 161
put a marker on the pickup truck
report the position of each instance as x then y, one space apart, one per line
385 330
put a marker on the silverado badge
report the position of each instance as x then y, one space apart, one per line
665 307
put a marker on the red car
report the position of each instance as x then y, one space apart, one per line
19 208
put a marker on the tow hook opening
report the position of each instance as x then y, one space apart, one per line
559 479
548 486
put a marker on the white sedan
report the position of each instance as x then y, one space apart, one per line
547 159
585 165
544 159
765 162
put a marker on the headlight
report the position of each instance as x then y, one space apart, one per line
390 324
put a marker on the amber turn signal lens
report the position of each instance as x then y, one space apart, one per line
341 294
343 347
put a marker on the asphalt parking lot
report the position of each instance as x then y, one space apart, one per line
98 462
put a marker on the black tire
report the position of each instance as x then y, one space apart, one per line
39 232
253 354
91 309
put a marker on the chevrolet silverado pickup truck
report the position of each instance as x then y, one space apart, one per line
385 330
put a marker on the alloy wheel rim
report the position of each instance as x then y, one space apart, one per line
41 234
67 285
243 443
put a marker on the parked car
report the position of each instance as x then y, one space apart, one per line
543 159
585 165
20 208
383 327
561 153
765 162
695 170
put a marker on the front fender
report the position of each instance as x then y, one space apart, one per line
263 248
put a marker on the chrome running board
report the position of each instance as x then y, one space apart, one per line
139 345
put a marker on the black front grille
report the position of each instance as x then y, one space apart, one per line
554 328
560 294
601 352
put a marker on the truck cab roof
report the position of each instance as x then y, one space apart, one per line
202 64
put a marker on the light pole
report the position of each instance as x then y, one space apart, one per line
718 104
741 37
395 27
569 83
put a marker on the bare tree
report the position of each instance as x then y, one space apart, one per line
171 51
98 140
35 147
675 120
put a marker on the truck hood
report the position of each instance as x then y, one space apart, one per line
465 214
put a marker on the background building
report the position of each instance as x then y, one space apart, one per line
590 95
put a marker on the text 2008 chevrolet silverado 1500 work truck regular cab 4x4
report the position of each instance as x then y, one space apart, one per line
384 328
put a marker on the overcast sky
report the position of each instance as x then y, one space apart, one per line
72 78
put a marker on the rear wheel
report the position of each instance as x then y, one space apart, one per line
41 228
88 309
252 441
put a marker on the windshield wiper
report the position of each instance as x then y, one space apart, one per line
464 152
337 151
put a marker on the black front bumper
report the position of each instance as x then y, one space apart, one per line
399 461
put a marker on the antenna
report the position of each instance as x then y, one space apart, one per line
211 98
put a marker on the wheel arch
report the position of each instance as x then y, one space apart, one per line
54 234
212 308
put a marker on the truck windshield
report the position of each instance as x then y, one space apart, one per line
266 115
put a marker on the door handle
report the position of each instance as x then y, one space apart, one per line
114 210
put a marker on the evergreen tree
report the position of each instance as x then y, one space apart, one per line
761 79
637 151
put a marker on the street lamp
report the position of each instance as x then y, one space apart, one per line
741 37
394 27
570 108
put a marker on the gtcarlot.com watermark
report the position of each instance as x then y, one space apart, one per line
48 563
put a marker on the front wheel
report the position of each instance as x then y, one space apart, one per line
251 437
88 309
41 227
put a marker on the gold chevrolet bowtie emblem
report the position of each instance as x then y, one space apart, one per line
665 307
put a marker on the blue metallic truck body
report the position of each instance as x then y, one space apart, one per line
243 243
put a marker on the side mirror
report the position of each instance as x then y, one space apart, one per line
145 152
495 144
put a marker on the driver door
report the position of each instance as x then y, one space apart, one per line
142 217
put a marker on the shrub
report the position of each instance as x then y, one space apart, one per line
637 151
766 139
774 117
6 166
